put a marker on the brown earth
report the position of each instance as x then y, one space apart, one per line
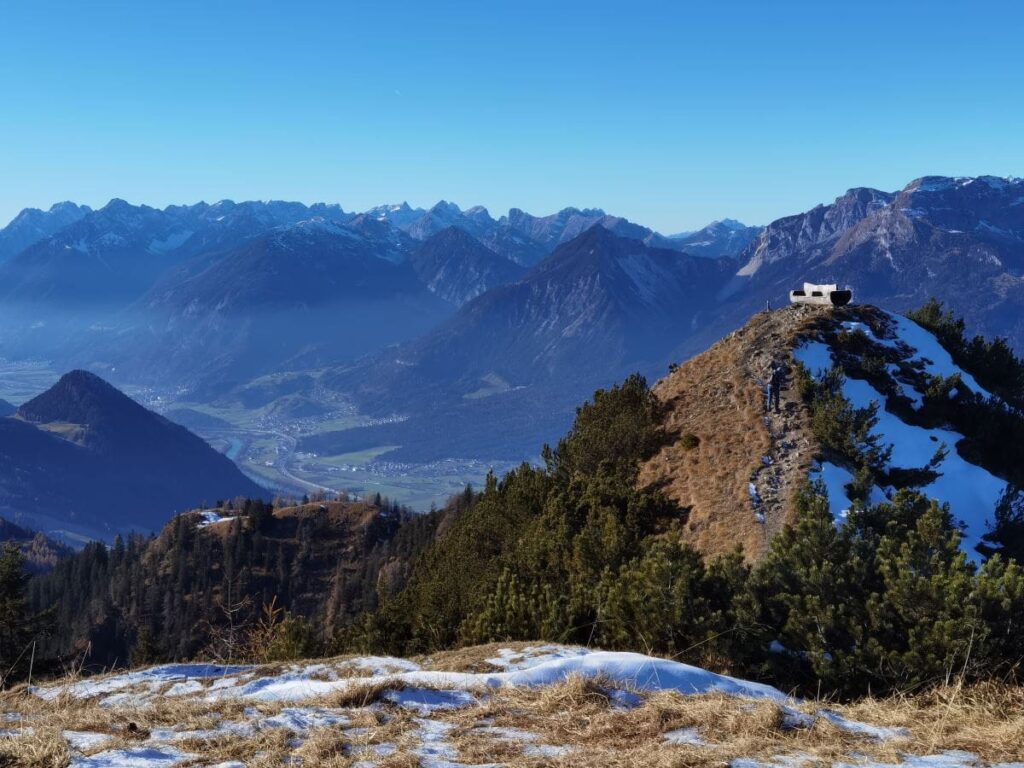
720 398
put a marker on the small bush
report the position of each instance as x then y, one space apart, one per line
689 441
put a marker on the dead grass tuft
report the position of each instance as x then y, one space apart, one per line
40 747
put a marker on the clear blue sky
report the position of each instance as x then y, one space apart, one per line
670 113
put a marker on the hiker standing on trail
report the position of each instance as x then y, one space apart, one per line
775 386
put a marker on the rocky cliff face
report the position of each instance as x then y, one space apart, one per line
959 239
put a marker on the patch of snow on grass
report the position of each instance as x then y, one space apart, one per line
137 757
380 665
84 740
623 700
684 736
433 735
778 761
815 356
879 732
227 682
180 689
151 677
644 673
507 734
632 671
427 700
511 660
302 719
950 759
971 491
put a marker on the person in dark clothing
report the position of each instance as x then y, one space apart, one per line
775 381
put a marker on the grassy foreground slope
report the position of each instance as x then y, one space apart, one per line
504 704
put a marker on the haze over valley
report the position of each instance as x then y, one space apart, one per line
407 351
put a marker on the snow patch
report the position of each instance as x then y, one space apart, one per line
877 732
815 356
427 700
531 656
138 757
971 491
684 736
152 678
937 361
836 479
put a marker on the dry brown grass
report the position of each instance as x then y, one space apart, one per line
577 713
474 658
717 396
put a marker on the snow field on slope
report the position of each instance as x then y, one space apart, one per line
971 491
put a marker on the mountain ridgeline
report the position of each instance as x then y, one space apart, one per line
314 337
839 540
187 295
423 317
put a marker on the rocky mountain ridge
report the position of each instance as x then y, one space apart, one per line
734 464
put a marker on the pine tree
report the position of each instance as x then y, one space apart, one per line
805 599
15 624
923 623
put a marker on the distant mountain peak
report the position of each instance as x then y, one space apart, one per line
318 224
86 457
598 234
453 232
457 267
732 224
67 205
443 206
722 237
79 397
33 225
117 204
946 183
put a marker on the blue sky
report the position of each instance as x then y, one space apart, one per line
671 114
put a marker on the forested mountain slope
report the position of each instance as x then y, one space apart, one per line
209 576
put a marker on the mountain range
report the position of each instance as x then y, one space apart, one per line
448 322
82 460
603 305
520 355
206 296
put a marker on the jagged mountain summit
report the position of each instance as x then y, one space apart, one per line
960 239
32 225
85 459
457 267
932 423
727 237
